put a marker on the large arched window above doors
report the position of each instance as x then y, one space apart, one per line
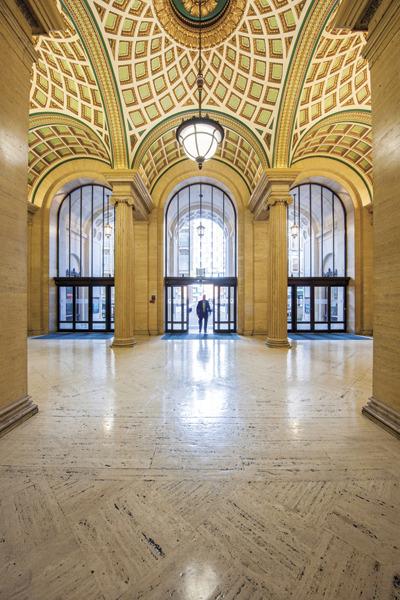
317 260
200 233
85 260
86 233
316 233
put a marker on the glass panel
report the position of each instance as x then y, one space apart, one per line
75 238
66 326
99 308
97 232
338 327
327 250
316 246
303 305
86 230
337 304
321 304
112 307
66 310
340 237
321 327
289 306
63 239
200 236
81 305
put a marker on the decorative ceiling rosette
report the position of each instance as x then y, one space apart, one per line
180 19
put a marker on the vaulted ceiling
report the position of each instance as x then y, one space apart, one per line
285 84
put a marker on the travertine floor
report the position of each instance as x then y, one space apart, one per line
199 470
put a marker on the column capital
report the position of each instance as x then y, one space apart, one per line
31 210
129 187
278 188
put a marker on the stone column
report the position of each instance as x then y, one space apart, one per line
278 198
124 271
132 203
18 22
382 21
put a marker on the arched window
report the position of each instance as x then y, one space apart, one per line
85 260
200 233
317 258
316 233
86 233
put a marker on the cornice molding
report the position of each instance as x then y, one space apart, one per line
273 188
356 14
128 187
383 27
43 16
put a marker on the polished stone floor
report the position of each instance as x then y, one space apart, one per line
199 470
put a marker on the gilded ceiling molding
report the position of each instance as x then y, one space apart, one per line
183 31
173 122
302 53
363 117
85 25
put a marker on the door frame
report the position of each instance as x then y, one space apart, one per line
186 281
312 283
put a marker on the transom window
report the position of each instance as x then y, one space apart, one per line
86 233
316 233
200 233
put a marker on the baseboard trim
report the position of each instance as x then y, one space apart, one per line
382 415
15 413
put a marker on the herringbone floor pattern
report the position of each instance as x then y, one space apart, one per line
199 471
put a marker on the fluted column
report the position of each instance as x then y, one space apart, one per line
278 275
124 271
278 198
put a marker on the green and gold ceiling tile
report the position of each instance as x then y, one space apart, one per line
275 48
275 72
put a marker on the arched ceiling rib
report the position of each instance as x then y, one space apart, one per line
124 80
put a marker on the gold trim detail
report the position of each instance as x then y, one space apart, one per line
188 35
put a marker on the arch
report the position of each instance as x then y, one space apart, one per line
200 217
174 121
57 139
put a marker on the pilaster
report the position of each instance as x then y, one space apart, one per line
277 200
18 22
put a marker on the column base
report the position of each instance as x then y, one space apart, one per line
15 413
276 343
123 342
382 415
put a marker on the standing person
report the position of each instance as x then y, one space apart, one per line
203 310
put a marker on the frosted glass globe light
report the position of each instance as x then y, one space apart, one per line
199 138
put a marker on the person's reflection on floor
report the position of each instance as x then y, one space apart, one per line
203 353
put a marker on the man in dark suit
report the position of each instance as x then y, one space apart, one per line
203 310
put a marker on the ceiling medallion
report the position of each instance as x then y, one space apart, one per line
181 19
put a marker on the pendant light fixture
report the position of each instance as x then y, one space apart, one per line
200 136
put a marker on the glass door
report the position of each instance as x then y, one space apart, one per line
176 309
224 308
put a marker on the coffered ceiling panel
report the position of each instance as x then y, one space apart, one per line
63 81
234 151
157 74
337 79
347 141
50 145
124 68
